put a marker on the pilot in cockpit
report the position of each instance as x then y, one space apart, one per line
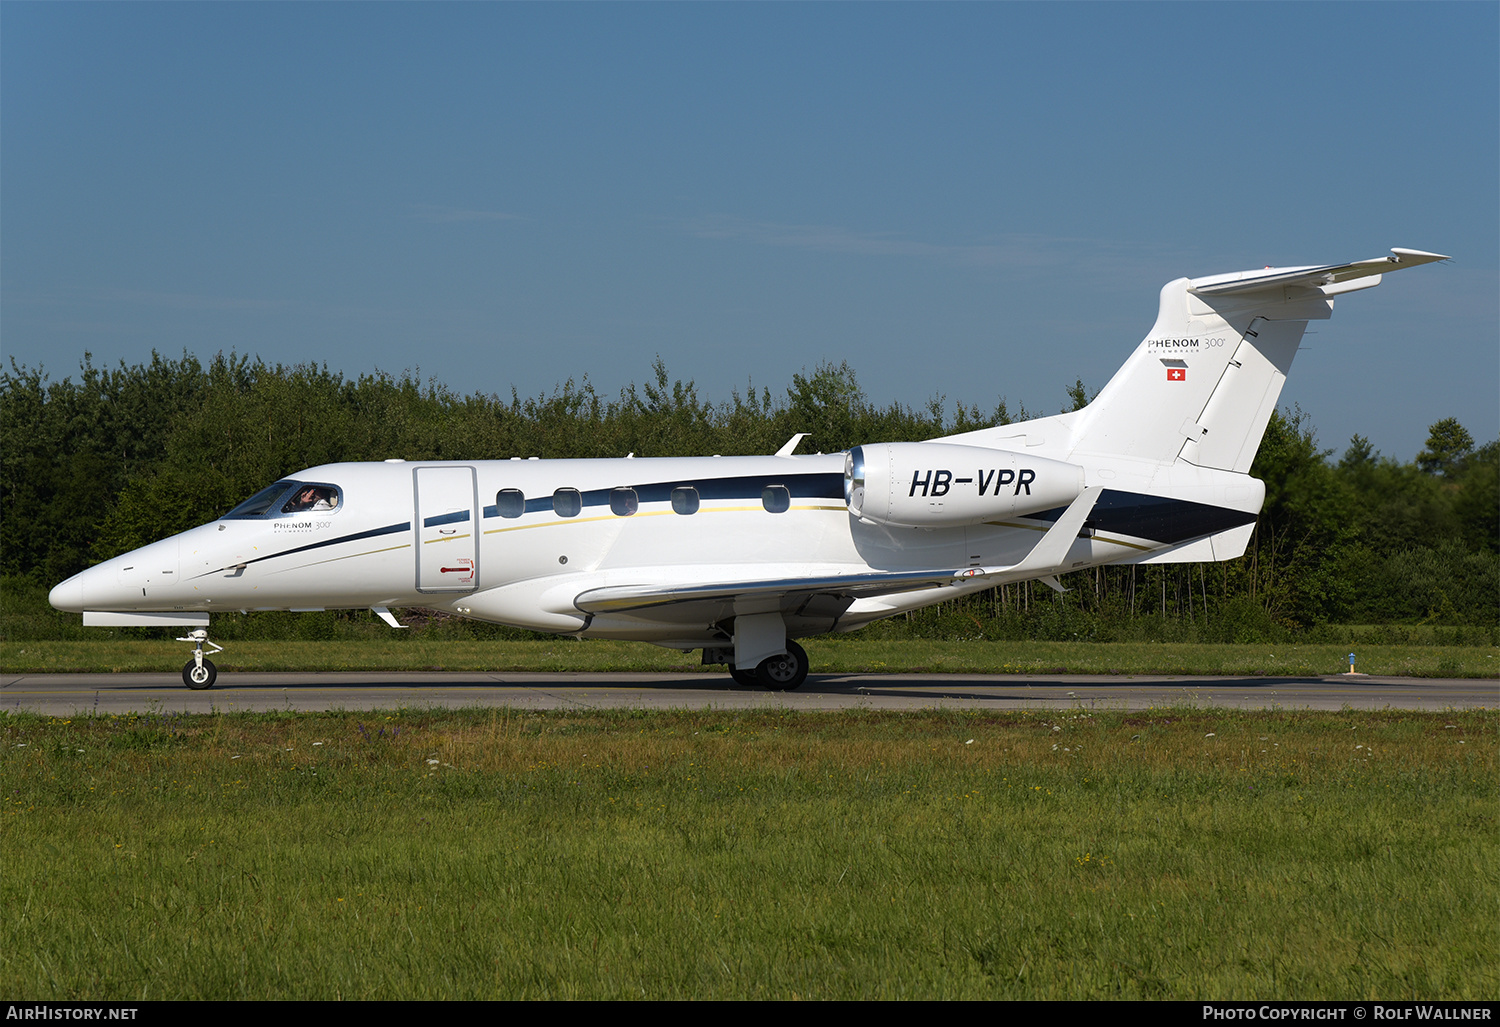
312 498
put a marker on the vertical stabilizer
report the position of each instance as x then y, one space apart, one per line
1156 404
1203 384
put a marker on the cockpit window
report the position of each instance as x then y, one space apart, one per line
263 501
311 498
288 497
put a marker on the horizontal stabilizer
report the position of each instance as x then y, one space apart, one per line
1309 277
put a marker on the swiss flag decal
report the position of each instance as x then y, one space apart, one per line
1176 374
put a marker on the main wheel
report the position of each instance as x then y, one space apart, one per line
748 678
196 677
783 673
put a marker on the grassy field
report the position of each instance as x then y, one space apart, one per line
496 854
829 655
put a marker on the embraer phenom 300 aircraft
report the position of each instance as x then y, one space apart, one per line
739 556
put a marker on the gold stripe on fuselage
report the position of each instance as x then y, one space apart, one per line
1096 538
336 559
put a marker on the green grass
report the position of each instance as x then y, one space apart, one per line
497 854
848 654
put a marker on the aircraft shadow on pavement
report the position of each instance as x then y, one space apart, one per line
974 687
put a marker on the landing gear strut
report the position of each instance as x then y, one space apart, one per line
199 673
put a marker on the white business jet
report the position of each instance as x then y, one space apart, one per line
739 556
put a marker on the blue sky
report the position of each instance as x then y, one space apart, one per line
973 201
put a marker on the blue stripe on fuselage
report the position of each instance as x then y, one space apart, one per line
389 529
747 486
1159 518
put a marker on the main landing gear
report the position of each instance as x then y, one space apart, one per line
199 673
781 673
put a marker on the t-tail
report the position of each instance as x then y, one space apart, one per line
1202 385
1169 441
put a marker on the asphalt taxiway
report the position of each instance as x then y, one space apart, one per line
72 694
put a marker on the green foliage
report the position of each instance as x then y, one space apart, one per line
1448 442
1078 396
161 503
1369 539
1476 501
67 450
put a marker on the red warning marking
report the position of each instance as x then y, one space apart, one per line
467 570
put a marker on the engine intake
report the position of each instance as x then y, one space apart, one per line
928 484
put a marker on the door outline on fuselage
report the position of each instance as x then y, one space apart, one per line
445 517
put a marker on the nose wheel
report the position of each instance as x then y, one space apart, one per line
199 675
200 672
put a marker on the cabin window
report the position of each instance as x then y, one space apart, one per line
567 502
263 501
685 500
311 499
776 498
510 502
624 502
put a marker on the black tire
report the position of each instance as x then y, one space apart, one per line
783 673
748 678
196 678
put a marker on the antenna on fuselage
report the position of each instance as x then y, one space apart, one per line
792 443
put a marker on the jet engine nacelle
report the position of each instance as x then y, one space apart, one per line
929 485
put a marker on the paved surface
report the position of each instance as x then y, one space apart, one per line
69 694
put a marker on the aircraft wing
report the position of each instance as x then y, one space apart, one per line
807 605
633 598
1311 277
834 592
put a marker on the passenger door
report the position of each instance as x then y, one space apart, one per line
447 525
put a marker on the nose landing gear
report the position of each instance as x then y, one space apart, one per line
199 673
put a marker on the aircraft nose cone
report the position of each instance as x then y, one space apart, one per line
68 596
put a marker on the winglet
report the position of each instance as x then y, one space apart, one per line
1046 557
1049 553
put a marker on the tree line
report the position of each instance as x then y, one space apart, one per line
109 460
